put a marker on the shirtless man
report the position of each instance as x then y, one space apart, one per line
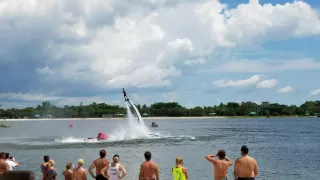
68 173
245 167
220 164
80 173
4 166
149 169
99 164
44 166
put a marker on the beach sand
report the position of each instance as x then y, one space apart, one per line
82 119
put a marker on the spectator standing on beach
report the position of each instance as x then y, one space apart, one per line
114 169
68 172
4 167
178 171
99 164
149 170
51 172
44 166
80 173
221 163
245 167
11 161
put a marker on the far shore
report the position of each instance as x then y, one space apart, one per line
145 118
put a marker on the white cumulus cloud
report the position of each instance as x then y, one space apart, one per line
237 83
315 92
287 89
267 83
115 43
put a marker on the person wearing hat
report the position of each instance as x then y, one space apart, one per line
178 171
80 173
114 169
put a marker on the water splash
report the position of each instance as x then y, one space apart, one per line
135 108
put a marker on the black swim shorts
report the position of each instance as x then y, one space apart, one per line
100 177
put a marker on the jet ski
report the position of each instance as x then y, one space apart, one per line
5 125
101 136
154 124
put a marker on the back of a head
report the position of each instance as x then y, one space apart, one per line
147 155
222 154
103 153
7 156
51 163
68 165
2 155
116 158
80 162
46 158
179 160
245 149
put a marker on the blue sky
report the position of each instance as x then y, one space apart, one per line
194 52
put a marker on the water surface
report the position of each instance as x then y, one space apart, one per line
284 148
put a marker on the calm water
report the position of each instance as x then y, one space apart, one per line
284 148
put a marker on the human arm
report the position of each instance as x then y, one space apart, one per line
141 173
236 171
157 173
256 170
16 162
185 171
90 169
103 170
124 172
84 175
210 158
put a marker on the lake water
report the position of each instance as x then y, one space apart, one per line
284 148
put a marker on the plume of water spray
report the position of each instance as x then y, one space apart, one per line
138 113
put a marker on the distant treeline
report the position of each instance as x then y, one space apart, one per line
173 109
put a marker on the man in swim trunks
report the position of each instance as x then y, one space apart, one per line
221 164
149 169
245 167
99 164
80 173
4 166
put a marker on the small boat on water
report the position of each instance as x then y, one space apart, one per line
154 124
4 125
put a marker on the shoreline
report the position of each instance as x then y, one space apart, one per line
148 118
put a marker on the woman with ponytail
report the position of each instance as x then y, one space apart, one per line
114 169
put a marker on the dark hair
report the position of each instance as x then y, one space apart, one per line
2 155
222 154
116 155
103 153
7 155
46 158
244 149
147 155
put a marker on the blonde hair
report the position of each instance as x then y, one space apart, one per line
80 161
179 160
51 163
116 159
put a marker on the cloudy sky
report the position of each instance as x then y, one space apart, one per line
196 52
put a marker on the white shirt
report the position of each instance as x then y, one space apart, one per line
11 164
114 172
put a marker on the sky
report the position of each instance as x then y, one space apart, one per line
195 52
